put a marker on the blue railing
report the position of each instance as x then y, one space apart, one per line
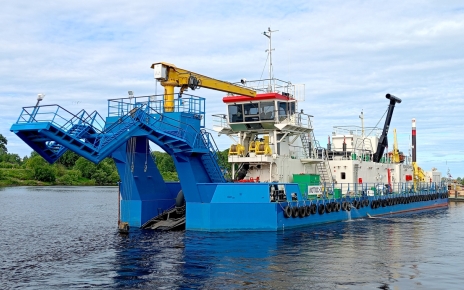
60 117
338 190
187 104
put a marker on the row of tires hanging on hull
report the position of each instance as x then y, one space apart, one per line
334 206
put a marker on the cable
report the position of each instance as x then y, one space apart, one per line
377 123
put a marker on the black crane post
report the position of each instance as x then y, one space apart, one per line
383 141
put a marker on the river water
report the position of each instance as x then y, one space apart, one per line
66 237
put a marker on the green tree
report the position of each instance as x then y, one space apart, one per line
35 161
86 167
100 177
223 160
3 143
68 159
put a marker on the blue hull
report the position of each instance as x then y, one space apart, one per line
235 209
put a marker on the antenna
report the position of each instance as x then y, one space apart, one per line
268 34
362 123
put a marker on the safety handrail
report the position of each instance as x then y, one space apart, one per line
379 189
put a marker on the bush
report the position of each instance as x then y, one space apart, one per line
45 173
100 177
36 161
4 164
86 167
60 170
71 177
2 175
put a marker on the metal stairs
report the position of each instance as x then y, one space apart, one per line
323 168
183 138
51 130
306 145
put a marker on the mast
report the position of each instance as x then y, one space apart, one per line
268 34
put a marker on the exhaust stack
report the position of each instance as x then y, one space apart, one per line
413 140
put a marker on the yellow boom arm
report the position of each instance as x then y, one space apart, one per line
171 76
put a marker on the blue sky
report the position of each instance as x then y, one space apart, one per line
349 54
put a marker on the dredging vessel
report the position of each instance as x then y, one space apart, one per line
280 175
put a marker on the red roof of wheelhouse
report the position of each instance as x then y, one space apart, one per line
259 97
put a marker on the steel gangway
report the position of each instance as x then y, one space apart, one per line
51 130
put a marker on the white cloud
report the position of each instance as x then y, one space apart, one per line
349 55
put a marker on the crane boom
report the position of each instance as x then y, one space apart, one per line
171 76
383 141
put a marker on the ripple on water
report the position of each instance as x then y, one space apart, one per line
61 237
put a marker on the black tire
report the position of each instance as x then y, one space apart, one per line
308 210
337 206
287 211
328 207
313 208
301 211
295 211
321 209
344 205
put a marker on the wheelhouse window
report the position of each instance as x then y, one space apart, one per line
282 110
251 112
266 111
235 113
291 108
342 175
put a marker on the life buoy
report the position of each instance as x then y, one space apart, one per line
287 211
321 208
295 211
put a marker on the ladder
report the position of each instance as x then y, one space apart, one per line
323 168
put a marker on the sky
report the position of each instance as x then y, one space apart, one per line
348 54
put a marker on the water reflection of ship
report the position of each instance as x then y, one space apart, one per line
350 251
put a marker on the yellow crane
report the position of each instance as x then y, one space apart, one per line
171 76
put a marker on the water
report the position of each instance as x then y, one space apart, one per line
66 237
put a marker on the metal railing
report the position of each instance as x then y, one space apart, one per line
341 190
187 104
60 117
